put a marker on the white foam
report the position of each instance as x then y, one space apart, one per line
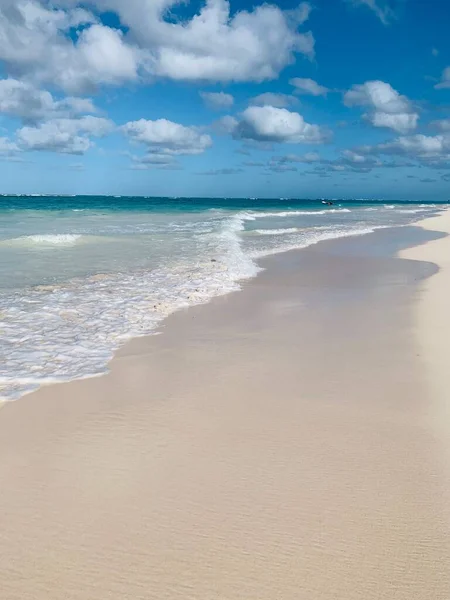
68 331
410 211
276 231
62 239
59 332
314 238
296 213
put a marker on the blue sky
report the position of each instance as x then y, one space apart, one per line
333 98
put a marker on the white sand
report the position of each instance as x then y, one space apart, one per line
282 443
432 315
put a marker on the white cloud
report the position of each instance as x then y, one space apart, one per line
445 80
308 157
430 150
271 99
381 8
308 86
387 107
217 100
170 166
101 55
225 125
153 160
419 145
7 147
23 100
270 124
435 52
156 159
166 137
356 161
213 45
442 124
69 136
34 44
348 161
402 123
354 157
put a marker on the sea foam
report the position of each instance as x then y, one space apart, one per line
63 328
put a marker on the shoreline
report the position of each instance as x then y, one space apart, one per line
279 442
259 265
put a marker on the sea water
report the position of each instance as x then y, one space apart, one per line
81 275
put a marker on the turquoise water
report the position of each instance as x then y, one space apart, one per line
81 275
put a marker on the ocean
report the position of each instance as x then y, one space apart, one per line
81 275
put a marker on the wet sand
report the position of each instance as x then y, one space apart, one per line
284 442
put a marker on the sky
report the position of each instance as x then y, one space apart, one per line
217 98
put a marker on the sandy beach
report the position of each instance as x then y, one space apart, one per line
285 442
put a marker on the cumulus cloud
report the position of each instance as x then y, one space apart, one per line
349 160
7 147
272 99
100 55
165 137
277 125
358 162
382 9
308 87
441 124
429 150
69 47
68 136
308 157
217 100
23 100
34 43
153 160
225 125
445 80
215 45
387 108
418 145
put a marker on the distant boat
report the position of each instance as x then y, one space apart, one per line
327 202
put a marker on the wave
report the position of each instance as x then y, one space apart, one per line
411 211
315 238
275 231
295 213
70 330
60 239
51 240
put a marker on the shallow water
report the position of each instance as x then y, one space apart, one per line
80 275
